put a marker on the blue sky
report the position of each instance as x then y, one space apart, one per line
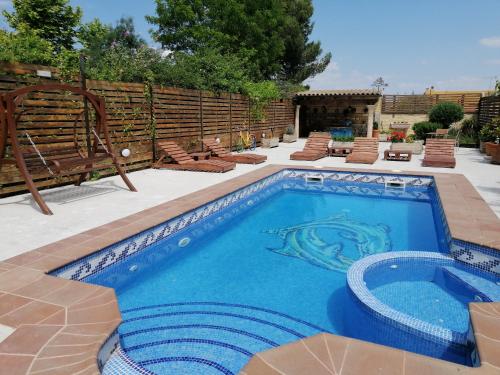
413 44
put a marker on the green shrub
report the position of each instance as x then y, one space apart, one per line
422 128
25 46
470 127
446 114
491 131
343 138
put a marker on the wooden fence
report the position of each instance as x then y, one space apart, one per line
137 115
489 108
417 104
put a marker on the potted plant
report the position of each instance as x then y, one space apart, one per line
375 131
488 136
383 135
397 137
289 136
341 142
270 142
409 144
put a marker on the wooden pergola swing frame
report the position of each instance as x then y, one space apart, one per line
58 160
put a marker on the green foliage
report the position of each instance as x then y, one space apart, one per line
272 36
96 37
446 114
342 138
261 94
497 87
290 130
375 125
25 46
53 20
491 131
122 64
422 128
206 70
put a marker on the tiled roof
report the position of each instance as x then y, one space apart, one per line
338 92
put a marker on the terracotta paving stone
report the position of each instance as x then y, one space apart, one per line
65 339
42 287
28 339
63 365
101 313
9 302
59 318
25 258
48 263
420 365
58 351
70 293
17 278
296 358
31 313
14 364
337 346
92 328
258 366
366 358
100 297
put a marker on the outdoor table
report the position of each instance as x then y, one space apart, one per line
397 155
339 151
201 155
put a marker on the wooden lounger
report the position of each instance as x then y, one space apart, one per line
365 151
182 160
439 153
316 147
219 152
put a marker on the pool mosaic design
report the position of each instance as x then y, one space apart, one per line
355 241
193 324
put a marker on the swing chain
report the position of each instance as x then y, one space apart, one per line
39 153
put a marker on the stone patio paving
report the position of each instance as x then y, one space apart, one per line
76 209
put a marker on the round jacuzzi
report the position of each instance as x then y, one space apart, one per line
417 301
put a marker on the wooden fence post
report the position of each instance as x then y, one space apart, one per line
83 85
230 122
201 119
152 123
249 116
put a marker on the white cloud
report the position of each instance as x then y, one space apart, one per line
493 41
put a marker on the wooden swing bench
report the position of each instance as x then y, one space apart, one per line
37 160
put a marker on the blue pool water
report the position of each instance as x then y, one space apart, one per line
272 275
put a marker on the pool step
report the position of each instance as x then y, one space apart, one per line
486 290
205 337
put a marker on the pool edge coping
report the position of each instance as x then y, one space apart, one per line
469 219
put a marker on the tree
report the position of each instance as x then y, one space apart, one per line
301 59
97 38
53 20
446 113
26 47
270 35
380 84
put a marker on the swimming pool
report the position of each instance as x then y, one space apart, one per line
265 267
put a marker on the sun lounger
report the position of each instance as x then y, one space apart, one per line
365 151
316 147
182 161
219 152
439 153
